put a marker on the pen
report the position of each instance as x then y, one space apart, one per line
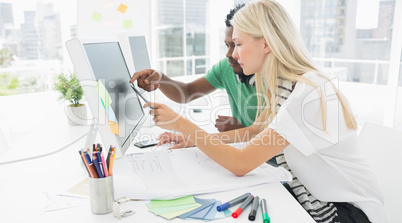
112 161
243 206
254 209
230 203
99 158
91 166
105 171
265 217
85 162
108 156
96 164
139 94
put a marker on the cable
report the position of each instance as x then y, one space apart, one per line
44 155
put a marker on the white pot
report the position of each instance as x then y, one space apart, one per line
76 115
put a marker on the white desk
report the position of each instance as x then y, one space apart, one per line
23 185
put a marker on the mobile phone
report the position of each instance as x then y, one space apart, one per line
146 143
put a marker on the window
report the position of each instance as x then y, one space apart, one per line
32 34
182 31
355 44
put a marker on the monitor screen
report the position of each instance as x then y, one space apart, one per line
109 67
139 52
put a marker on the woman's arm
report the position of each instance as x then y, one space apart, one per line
261 148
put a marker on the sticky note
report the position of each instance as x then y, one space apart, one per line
174 202
202 213
166 210
178 213
96 16
114 127
127 24
205 203
212 212
103 94
110 114
122 8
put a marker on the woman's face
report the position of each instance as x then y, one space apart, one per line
250 52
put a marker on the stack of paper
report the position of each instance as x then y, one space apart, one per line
188 207
171 174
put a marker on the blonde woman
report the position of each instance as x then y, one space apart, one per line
306 123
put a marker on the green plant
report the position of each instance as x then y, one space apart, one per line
69 88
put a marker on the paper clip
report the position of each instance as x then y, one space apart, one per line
116 208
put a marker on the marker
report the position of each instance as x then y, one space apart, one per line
265 217
105 170
91 166
233 202
254 209
96 164
243 206
98 156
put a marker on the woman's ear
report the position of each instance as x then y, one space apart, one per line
266 47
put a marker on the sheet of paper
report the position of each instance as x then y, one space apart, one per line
174 202
202 213
176 173
177 213
212 212
166 210
205 203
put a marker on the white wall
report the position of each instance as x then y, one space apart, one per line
111 20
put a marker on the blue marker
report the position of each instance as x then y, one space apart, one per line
233 202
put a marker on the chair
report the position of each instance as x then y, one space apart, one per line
383 148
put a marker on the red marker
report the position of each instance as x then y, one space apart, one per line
243 206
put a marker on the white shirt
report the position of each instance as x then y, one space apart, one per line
328 163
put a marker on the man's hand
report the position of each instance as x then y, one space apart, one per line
226 123
147 79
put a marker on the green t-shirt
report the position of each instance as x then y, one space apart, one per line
242 97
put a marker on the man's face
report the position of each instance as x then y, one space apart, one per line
231 45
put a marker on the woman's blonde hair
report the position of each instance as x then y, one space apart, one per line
288 59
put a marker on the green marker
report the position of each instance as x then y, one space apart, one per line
264 210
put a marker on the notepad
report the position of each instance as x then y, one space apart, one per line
182 172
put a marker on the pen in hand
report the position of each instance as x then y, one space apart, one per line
139 94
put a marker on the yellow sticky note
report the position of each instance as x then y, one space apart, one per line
127 24
96 16
114 127
122 8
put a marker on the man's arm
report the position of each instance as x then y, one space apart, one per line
185 92
177 91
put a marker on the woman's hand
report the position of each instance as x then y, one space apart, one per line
168 137
164 117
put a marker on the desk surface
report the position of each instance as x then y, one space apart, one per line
26 188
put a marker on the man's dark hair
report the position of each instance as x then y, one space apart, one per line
231 14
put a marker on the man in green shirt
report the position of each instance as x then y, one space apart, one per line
226 74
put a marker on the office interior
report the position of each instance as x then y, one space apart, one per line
357 43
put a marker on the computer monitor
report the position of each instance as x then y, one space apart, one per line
139 52
102 71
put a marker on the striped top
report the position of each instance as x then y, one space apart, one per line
322 212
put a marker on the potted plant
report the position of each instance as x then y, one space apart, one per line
69 89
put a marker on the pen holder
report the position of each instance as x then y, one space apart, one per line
101 195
